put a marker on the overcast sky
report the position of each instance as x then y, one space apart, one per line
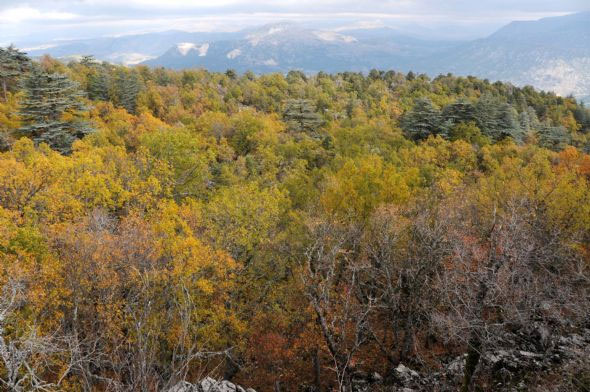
22 20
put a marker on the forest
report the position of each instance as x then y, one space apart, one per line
288 232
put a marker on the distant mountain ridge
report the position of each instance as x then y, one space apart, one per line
128 49
550 54
283 46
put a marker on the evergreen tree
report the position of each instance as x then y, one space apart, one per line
528 120
129 88
98 85
301 116
232 74
5 141
13 64
509 124
460 111
498 120
487 113
582 116
553 138
49 97
423 120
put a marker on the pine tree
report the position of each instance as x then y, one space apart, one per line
461 111
498 120
487 113
88 60
48 98
423 120
553 138
301 116
129 89
582 116
98 84
13 64
509 124
528 120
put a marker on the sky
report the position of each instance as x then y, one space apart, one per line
47 20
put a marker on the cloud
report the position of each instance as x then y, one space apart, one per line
76 18
114 7
22 14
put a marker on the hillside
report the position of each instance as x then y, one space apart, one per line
551 54
333 232
286 46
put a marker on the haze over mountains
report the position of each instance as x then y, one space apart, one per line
550 54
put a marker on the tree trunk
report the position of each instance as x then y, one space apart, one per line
231 368
317 371
471 362
407 349
475 343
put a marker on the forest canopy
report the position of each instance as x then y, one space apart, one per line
284 231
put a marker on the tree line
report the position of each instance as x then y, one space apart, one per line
288 232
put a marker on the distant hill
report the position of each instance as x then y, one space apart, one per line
550 54
128 49
285 46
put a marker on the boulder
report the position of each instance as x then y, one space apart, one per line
208 385
183 386
223 386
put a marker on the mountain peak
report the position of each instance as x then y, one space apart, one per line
184 48
547 27
332 36
258 35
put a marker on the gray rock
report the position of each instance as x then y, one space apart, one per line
183 386
530 355
456 366
376 377
224 386
207 384
405 370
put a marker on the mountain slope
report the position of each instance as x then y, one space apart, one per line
129 49
284 46
550 54
276 47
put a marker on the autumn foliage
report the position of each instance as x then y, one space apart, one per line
197 232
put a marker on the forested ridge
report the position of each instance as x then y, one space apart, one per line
287 232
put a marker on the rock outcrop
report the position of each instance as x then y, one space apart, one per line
521 364
209 385
523 360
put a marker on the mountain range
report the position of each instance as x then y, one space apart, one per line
550 54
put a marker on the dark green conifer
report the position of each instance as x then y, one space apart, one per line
129 87
423 120
13 65
49 98
460 111
301 116
497 119
98 84
553 138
